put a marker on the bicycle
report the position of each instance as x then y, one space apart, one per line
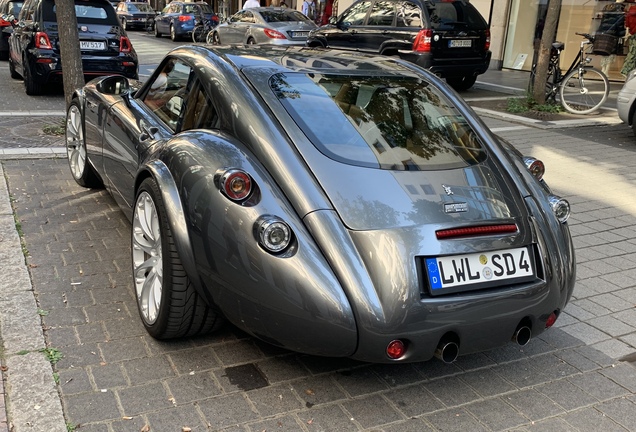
581 89
202 30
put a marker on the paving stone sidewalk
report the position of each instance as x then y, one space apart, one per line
114 377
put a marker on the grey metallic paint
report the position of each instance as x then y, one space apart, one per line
342 289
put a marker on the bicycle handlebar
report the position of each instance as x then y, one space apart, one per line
586 35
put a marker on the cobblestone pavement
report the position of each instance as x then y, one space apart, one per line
114 377
24 132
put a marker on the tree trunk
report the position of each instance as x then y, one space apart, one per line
543 57
72 72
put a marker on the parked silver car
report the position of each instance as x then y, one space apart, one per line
625 101
265 25
327 202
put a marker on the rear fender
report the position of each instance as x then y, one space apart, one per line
176 220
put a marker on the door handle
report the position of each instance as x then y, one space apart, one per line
148 133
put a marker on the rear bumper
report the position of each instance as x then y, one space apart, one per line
449 67
47 67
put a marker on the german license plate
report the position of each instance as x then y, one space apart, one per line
297 34
460 43
92 45
479 270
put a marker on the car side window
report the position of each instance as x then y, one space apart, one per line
248 17
382 14
356 14
237 16
200 112
408 15
167 92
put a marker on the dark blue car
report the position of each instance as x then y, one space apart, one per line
178 19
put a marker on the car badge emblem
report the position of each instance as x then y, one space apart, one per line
455 207
84 28
436 38
462 33
447 189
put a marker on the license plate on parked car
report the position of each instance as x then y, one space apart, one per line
460 43
297 34
92 45
464 272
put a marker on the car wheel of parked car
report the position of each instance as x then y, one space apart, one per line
168 303
14 74
216 40
157 34
634 123
123 24
81 169
173 34
4 55
31 87
461 83
251 41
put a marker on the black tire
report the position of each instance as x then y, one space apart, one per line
584 91
251 41
32 87
216 39
4 55
173 34
634 123
462 83
12 71
79 164
198 34
181 312
156 31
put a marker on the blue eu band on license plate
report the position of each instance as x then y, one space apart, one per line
464 272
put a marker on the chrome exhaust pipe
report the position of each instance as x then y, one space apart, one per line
447 351
522 335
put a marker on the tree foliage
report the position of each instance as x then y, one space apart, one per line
71 57
543 57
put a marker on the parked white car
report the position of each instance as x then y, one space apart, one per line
625 101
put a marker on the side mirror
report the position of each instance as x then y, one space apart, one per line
114 85
333 20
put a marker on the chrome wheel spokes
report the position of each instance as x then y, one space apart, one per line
75 145
147 257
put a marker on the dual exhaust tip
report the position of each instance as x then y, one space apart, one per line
448 347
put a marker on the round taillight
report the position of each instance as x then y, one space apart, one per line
560 208
236 184
273 234
395 349
551 320
535 166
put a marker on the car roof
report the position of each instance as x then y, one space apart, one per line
263 59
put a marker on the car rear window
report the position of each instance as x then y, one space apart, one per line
198 8
283 16
140 7
386 122
87 12
451 15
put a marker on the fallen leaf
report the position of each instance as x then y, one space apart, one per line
186 429
146 428
310 421
127 418
4 368
309 392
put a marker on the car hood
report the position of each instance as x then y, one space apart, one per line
373 199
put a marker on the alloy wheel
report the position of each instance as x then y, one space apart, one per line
147 258
75 144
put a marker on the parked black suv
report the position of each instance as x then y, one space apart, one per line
34 50
448 37
7 8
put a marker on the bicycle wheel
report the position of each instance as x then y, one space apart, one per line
198 34
209 38
584 90
551 89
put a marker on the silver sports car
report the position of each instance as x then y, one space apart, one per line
329 203
265 25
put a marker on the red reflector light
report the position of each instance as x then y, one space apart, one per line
422 41
273 34
44 60
236 184
476 231
551 320
42 41
487 44
395 349
124 45
4 23
184 18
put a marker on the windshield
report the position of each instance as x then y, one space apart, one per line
386 122
283 16
449 15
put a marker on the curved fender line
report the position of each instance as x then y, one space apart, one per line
177 222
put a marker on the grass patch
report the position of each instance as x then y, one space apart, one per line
52 354
528 104
56 129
